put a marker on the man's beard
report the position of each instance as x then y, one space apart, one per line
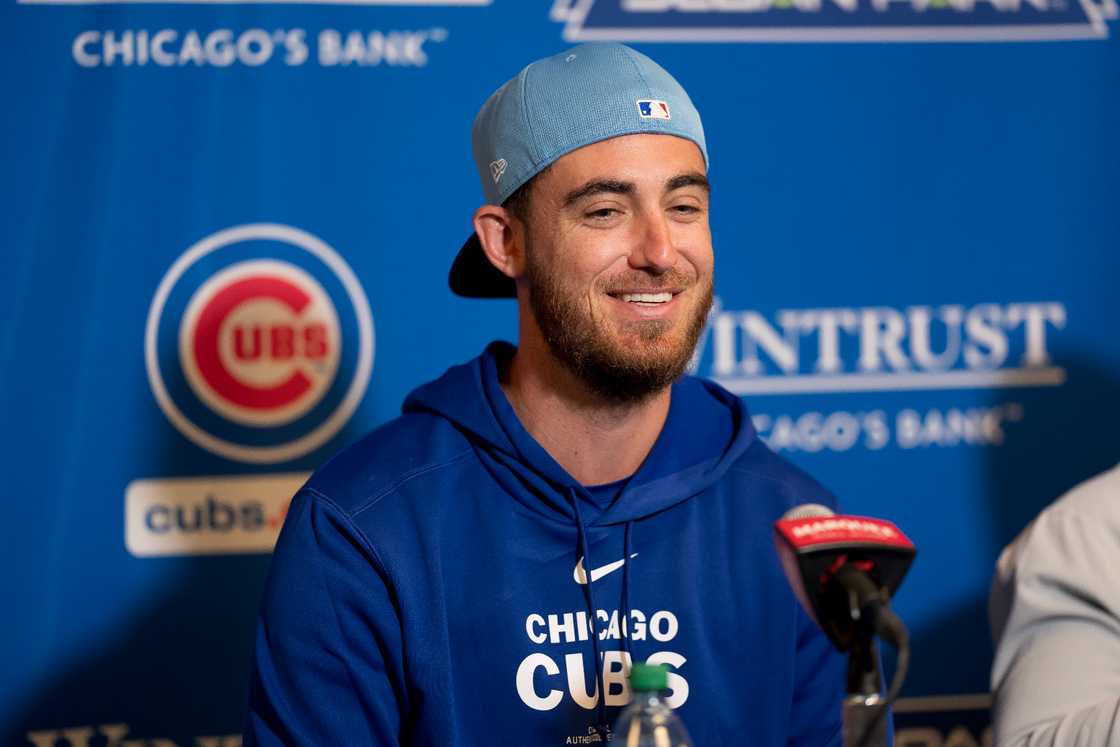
622 371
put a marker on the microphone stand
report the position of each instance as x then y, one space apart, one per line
865 723
864 708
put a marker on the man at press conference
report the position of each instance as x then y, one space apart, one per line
485 567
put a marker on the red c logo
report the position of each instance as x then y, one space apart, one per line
260 342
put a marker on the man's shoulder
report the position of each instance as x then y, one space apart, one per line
1098 498
1066 534
764 470
388 457
757 469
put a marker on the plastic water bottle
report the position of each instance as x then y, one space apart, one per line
648 721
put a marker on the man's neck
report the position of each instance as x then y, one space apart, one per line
595 440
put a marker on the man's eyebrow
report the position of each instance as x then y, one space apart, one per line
691 179
598 186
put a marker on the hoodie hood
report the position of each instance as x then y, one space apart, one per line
706 430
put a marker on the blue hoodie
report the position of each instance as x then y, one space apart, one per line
430 585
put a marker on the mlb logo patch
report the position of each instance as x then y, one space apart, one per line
653 109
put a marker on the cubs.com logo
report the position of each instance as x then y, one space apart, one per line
259 343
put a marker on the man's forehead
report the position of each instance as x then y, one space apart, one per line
647 159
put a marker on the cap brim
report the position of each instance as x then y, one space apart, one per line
473 276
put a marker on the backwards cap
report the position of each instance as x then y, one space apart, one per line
554 106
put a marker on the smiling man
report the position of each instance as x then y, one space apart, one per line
484 568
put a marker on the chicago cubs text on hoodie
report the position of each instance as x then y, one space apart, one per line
445 582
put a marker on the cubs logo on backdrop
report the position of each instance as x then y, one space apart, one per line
832 20
259 343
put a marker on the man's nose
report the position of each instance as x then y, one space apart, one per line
653 248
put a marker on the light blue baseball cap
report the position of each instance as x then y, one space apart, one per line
590 93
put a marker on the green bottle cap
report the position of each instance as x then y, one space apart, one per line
649 677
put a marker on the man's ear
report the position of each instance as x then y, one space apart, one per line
502 238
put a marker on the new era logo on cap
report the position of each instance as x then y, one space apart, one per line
497 168
653 109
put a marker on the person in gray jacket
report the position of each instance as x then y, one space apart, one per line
1055 614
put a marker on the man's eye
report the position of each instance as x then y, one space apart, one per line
602 213
685 209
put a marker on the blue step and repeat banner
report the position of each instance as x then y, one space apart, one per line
225 247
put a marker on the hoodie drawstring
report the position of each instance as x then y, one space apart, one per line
625 611
601 727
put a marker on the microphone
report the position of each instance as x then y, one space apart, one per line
844 570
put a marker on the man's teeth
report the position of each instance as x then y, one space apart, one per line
647 297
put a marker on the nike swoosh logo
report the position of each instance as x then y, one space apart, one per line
597 573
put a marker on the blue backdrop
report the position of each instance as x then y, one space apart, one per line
225 256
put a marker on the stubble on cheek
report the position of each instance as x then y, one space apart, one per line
623 361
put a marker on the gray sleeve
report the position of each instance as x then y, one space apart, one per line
1055 610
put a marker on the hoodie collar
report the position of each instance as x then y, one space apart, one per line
706 429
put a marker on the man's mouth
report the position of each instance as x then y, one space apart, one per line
647 298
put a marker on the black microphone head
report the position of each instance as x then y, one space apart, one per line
814 543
